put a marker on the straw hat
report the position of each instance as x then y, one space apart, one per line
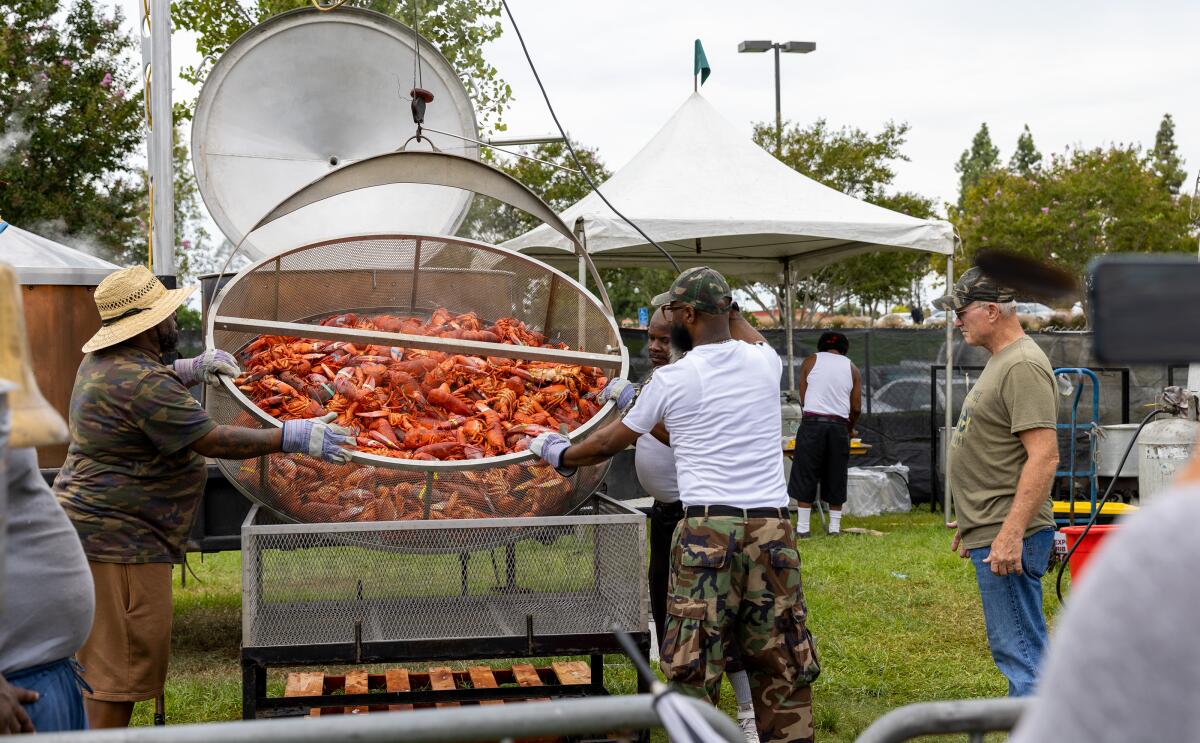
132 301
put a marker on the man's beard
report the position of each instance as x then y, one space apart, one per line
168 342
681 339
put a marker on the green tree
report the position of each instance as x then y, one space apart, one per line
70 120
862 165
1083 204
458 28
1165 156
490 221
982 158
1026 159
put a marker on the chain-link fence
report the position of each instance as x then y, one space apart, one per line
904 386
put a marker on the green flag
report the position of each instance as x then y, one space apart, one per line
701 67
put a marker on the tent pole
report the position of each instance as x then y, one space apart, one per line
949 391
789 318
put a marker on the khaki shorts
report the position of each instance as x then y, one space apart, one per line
125 656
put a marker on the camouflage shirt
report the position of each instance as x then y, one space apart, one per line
131 483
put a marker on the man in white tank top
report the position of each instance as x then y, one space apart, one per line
735 571
831 393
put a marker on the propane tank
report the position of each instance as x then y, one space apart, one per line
1164 446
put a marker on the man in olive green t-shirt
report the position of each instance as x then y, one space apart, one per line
1002 459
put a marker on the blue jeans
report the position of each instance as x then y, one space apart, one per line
60 686
1012 611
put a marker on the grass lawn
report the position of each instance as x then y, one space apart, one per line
897 620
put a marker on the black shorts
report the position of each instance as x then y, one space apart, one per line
822 456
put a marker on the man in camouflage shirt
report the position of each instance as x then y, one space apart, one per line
134 475
735 571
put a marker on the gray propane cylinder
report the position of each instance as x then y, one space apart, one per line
1163 447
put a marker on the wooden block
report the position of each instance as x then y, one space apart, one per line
482 678
397 680
442 679
357 682
306 685
527 675
573 672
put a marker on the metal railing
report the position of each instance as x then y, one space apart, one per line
974 717
499 722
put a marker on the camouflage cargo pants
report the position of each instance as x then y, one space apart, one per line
736 580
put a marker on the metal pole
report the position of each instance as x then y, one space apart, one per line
560 718
156 74
949 390
789 315
778 115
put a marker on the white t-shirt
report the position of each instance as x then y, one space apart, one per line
830 382
655 465
720 404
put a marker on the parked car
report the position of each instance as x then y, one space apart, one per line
912 393
1035 309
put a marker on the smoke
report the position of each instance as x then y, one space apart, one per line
56 230
13 139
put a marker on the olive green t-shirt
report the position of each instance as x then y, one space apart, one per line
1015 392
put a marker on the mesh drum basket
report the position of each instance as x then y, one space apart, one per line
322 584
410 275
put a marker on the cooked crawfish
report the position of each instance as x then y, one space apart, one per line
420 404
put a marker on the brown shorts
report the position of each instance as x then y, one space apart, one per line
125 656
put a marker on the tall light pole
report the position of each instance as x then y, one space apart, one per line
788 47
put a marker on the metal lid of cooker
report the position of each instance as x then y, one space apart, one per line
306 92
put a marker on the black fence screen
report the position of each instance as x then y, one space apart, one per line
904 387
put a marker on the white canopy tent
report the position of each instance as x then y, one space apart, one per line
711 196
38 260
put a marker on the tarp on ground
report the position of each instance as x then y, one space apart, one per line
708 194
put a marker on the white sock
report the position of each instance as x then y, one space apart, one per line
835 522
802 517
741 689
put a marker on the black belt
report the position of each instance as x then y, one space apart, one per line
826 418
695 512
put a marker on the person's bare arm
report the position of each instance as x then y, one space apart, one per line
855 397
237 442
661 433
741 330
600 446
806 368
1041 447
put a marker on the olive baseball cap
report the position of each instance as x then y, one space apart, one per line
701 287
974 286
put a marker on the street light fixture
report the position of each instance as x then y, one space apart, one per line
788 47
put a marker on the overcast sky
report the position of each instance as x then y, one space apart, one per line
1079 73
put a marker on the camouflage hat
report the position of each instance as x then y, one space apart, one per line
974 286
702 288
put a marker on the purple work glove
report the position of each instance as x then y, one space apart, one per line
620 391
315 437
207 367
551 447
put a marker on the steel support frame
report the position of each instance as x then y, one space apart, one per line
256 661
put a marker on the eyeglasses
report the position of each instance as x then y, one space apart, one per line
959 313
669 308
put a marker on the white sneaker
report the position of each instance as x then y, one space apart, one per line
749 728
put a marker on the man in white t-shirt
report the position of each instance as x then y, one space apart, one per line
735 572
655 465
